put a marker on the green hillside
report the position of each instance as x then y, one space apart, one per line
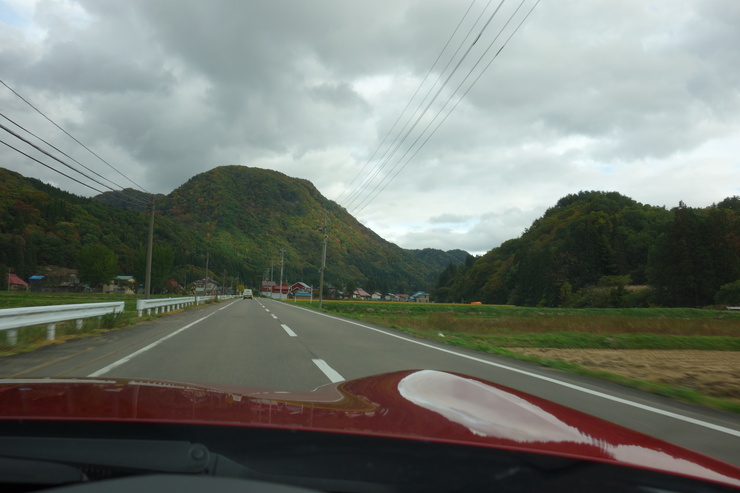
243 217
250 214
605 249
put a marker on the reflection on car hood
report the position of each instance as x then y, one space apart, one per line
425 404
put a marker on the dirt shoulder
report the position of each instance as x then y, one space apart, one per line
713 373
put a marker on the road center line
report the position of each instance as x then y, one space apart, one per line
585 390
125 359
287 329
273 316
330 372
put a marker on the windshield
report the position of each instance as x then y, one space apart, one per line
266 197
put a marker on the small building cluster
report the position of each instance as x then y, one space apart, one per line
57 281
301 290
418 297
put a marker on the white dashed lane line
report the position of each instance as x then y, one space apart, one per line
330 372
287 329
322 365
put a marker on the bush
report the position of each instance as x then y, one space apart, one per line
729 294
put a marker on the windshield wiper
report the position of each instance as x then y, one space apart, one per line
25 471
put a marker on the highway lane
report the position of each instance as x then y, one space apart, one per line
355 349
266 343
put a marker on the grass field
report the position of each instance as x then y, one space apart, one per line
503 330
618 328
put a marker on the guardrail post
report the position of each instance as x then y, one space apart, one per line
51 332
12 337
78 324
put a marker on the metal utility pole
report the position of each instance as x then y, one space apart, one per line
150 241
323 265
282 252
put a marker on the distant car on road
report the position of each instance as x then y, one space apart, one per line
247 294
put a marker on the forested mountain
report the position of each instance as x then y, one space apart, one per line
243 217
439 259
129 199
250 214
590 249
605 249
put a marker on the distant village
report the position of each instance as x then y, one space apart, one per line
301 290
66 280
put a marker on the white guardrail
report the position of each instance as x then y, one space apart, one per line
169 304
12 319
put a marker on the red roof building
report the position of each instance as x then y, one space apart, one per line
16 283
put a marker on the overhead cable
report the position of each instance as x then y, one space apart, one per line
125 197
51 168
71 136
444 48
454 106
396 143
68 156
426 109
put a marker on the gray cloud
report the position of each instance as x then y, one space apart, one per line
619 95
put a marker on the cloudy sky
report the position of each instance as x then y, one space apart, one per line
365 100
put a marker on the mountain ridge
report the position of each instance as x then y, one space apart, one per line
243 217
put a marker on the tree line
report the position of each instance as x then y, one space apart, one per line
602 249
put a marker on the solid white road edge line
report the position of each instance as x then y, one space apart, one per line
330 372
644 407
121 361
287 329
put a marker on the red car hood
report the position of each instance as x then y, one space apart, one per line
425 405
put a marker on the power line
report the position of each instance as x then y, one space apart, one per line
426 109
410 101
390 177
385 157
68 156
126 197
387 178
53 169
368 201
52 156
71 136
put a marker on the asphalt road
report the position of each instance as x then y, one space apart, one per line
265 343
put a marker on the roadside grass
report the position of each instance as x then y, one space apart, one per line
509 321
493 329
22 299
30 338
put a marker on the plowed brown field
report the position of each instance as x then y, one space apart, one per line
713 373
